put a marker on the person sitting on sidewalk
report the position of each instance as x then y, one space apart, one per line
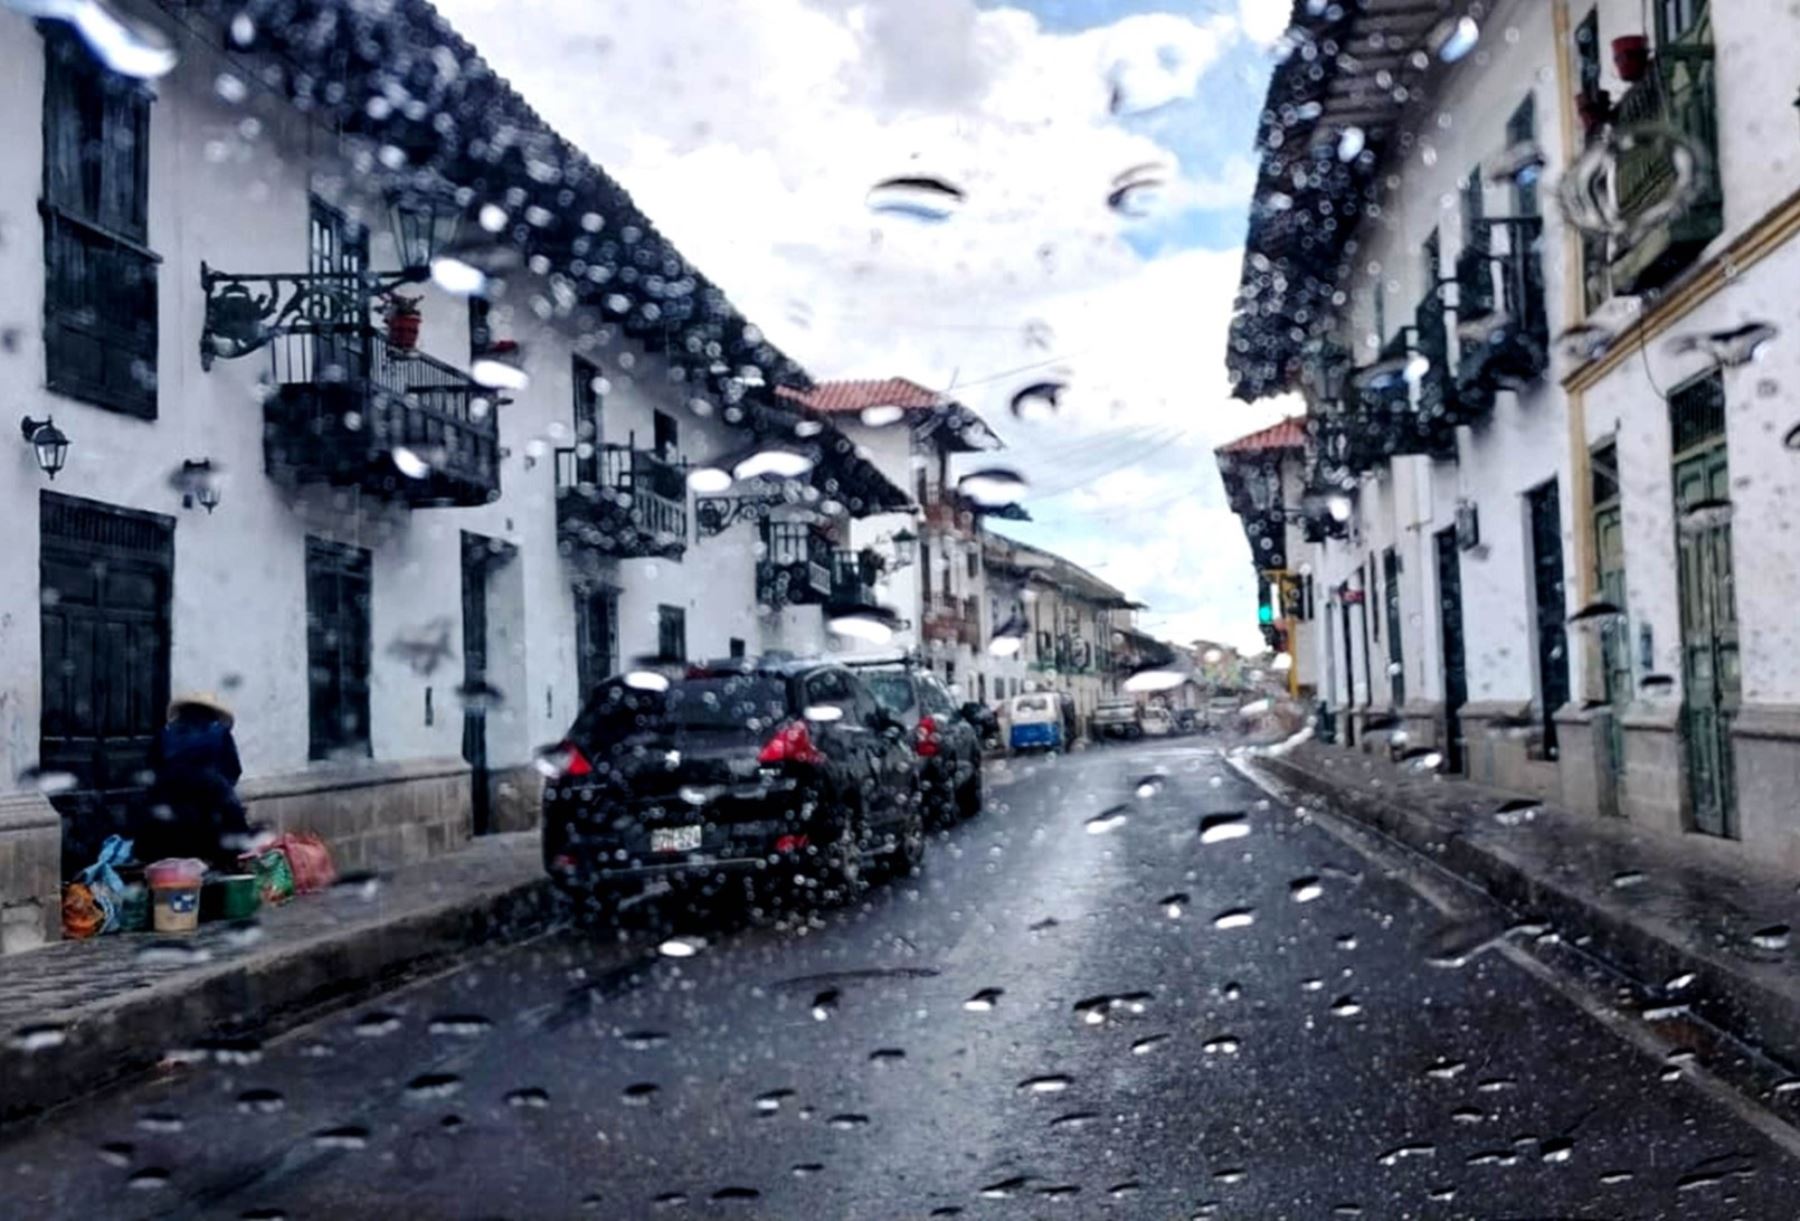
194 809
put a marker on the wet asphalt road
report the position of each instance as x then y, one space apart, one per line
1304 1060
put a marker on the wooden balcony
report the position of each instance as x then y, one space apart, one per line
945 517
953 621
350 410
1502 328
1678 94
795 569
621 502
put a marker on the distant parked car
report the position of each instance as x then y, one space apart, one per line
1158 723
1117 718
1187 721
787 771
946 738
1036 722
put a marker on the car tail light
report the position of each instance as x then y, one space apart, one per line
791 843
792 743
565 759
925 738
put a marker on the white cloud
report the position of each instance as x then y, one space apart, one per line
752 133
1264 21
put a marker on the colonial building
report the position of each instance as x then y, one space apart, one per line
1265 484
356 394
1527 263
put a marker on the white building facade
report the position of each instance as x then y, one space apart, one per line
1523 293
402 579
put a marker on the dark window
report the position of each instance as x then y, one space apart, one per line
1521 128
666 436
736 647
830 689
1474 211
920 482
1587 53
1545 515
105 576
671 633
1380 312
1677 18
587 415
481 326
974 565
1605 474
337 648
892 689
1390 573
100 323
335 244
596 637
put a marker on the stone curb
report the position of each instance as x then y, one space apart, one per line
259 995
1735 995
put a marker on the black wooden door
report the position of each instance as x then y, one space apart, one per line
1349 668
476 560
1547 585
105 577
596 638
1390 576
1450 626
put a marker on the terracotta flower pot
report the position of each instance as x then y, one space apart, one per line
1631 57
403 331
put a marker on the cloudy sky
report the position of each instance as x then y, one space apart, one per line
753 130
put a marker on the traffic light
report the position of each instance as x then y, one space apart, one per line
1265 603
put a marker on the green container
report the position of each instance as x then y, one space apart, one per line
134 907
233 896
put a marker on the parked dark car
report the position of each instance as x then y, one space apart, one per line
787 771
946 738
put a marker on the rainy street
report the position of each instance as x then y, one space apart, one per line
1137 985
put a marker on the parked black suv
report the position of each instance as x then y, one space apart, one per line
788 770
946 738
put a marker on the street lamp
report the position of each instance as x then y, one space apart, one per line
50 442
906 548
424 220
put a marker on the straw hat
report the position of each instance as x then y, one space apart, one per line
202 699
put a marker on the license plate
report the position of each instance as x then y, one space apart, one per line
674 839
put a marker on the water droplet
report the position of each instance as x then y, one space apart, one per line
1493 1157
774 462
460 1025
1394 1157
1445 1070
433 1085
1148 1044
150 1178
681 947
39 1036
1005 1189
983 1000
847 1121
1612 1177
1236 917
805 1170
1106 820
1051 1084
870 623
376 1023
1038 401
887 1055
499 372
1346 941
669 1199
1678 982
345 1136
1061 1191
1305 890
117 1153
1494 1085
643 1040
770 1101
1217 828
1351 142
409 463
1628 878
1729 349
1174 905
1586 193
824 1004
916 197
1135 191
1074 1119
1345 1006
1467 1115
1771 937
1224 1045
1154 679
1232 1175
1455 39
992 486
736 1195
530 1097
173 954
161 1122
1149 786
260 1101
1556 1149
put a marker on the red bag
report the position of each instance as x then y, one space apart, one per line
309 860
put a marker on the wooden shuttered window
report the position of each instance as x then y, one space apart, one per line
337 649
100 324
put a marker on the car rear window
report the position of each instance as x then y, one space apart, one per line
1032 703
892 689
738 702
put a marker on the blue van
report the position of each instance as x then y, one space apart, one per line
1036 722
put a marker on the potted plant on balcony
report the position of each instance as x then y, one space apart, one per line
1631 57
403 318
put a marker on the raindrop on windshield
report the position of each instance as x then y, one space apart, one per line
1236 917
775 462
1729 349
1346 1006
409 463
128 45
530 1097
1039 400
992 486
1351 142
1135 191
681 947
847 1121
1173 905
1106 820
916 197
881 415
1305 890
983 1000
1454 39
1051 1084
1217 828
824 1004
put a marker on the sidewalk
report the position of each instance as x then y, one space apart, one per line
1651 904
81 1015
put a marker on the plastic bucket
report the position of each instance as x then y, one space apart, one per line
233 896
175 908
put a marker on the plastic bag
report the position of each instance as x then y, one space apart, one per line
83 915
105 890
309 859
274 877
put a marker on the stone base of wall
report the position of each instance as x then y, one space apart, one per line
1587 780
1654 790
373 815
1423 722
30 872
1503 741
1765 743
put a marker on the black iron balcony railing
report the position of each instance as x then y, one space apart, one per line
1680 95
1385 419
852 577
1436 398
620 501
350 409
795 569
100 320
1502 329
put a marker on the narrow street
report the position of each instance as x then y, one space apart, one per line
1036 1026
